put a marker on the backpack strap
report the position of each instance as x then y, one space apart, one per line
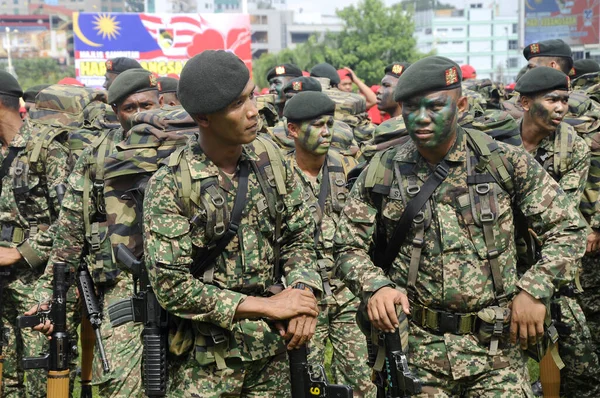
337 183
563 141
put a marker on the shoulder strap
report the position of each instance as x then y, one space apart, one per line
323 192
12 153
563 150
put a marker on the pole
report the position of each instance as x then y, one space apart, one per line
10 69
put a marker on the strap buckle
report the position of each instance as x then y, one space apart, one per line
441 171
448 322
6 233
217 336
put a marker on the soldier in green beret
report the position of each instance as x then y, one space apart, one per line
167 91
116 66
278 77
451 266
30 93
385 94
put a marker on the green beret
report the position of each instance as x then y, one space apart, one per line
584 66
130 82
284 70
542 78
521 73
548 48
433 73
308 105
167 85
9 85
396 69
303 83
121 64
31 92
326 70
210 81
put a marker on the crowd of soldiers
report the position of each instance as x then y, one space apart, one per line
269 223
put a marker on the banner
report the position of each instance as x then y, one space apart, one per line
161 43
577 22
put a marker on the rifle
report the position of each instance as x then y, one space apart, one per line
61 348
4 331
144 307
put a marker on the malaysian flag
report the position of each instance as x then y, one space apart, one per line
183 26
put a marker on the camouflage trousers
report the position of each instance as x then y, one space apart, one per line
264 378
337 323
123 346
590 298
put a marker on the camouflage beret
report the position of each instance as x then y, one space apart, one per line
31 92
210 81
167 85
284 70
9 85
121 64
584 66
130 82
308 105
302 84
396 69
542 78
548 48
433 73
326 70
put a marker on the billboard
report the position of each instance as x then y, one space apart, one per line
577 22
161 43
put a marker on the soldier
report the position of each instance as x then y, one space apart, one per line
322 174
278 77
118 65
385 94
30 93
82 229
29 205
452 266
346 86
223 302
167 91
583 67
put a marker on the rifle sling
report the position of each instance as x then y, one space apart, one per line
204 263
12 153
323 192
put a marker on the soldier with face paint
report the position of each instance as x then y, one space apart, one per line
385 94
278 77
116 66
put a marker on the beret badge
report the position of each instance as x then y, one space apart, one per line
572 72
109 65
534 48
297 86
153 81
280 70
451 76
397 69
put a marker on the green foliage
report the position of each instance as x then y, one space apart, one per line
35 71
424 5
375 35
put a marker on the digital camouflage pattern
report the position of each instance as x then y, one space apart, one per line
267 111
244 268
454 273
490 92
588 83
477 102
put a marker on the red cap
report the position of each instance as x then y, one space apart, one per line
305 73
510 86
344 74
264 91
468 72
70 81
375 88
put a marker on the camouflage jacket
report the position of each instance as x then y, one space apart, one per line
244 268
588 83
454 270
267 111
29 202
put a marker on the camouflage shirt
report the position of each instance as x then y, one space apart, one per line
454 272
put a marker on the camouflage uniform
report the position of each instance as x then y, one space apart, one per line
244 268
337 316
26 218
454 269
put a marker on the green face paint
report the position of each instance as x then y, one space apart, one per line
315 135
547 111
430 120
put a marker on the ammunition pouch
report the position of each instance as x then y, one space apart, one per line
12 234
212 343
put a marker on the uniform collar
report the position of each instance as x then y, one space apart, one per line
408 152
202 167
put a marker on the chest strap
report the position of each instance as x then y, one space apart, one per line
323 192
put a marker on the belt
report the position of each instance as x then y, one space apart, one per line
440 322
10 233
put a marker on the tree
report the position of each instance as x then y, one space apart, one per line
33 71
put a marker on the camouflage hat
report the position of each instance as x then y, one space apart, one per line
31 92
9 85
284 70
121 64
302 84
432 73
308 105
396 69
130 82
584 66
211 80
167 85
548 48
542 78
326 70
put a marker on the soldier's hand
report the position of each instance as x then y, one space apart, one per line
527 319
46 327
291 303
381 308
300 329
351 72
593 242
9 256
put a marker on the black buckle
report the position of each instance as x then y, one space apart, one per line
217 336
6 233
441 171
448 322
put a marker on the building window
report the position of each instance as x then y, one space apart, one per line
515 27
427 31
104 9
442 29
260 37
117 9
254 19
16 11
300 37
513 62
264 19
457 42
15 1
513 44
441 43
477 5
457 29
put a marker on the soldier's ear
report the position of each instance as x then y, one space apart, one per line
161 100
202 120
462 104
292 130
525 102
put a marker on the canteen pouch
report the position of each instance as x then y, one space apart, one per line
493 328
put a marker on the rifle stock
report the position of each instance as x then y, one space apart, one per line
88 342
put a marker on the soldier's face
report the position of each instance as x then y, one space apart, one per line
548 110
385 94
276 87
169 99
109 77
431 119
314 136
134 104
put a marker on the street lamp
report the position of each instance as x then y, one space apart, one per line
10 69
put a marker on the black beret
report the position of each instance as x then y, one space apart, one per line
284 70
167 85
548 48
31 92
121 64
308 105
326 70
396 69
130 82
432 73
9 85
210 81
583 66
542 78
303 83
